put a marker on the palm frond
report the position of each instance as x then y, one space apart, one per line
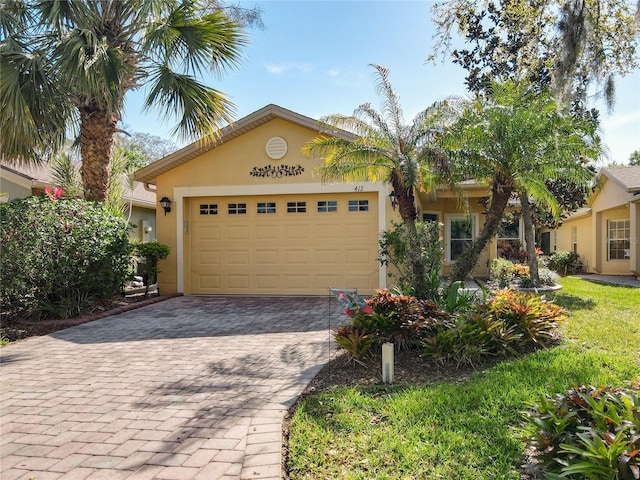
212 42
389 100
14 15
202 110
34 113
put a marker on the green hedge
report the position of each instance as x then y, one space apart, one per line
58 255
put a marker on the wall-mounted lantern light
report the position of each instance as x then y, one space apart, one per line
394 199
166 204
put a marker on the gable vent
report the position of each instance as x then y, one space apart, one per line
276 148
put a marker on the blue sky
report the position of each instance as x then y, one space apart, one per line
313 58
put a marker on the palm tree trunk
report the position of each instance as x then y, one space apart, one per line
97 133
529 239
500 194
407 209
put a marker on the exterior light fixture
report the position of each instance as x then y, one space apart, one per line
166 204
394 199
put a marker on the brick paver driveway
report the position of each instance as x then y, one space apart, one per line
188 388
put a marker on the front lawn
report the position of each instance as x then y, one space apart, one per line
466 428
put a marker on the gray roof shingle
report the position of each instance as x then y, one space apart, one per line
627 177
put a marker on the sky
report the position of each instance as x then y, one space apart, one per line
313 57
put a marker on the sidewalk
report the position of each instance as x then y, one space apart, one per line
623 280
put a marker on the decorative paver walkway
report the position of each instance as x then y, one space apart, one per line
188 388
622 280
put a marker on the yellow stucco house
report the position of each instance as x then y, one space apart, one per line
606 233
248 214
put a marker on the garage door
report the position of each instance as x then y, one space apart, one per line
285 244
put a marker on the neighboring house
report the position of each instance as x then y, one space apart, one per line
606 234
249 215
23 181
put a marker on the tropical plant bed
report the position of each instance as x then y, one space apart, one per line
441 422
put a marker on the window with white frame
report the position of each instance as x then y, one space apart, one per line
509 239
618 239
460 232
574 239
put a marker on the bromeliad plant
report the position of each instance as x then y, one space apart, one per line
588 432
508 324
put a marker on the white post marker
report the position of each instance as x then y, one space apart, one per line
387 362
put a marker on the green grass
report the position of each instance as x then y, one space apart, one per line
466 429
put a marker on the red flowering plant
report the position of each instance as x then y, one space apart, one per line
54 193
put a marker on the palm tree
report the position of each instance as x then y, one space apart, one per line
513 140
68 64
384 148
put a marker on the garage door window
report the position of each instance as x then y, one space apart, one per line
328 206
296 207
237 208
266 207
358 205
209 209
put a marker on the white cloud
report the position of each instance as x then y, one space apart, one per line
617 121
347 77
282 68
275 69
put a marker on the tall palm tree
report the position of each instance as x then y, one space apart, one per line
68 64
385 148
513 140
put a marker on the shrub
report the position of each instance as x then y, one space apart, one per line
502 272
151 252
565 263
588 432
395 251
546 276
505 273
58 255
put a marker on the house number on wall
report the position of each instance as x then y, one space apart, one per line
280 171
359 188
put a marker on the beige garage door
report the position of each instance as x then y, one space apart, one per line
285 244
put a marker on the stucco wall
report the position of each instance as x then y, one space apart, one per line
611 267
144 220
13 190
584 234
